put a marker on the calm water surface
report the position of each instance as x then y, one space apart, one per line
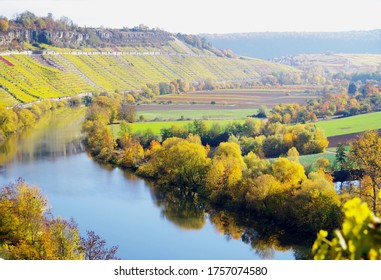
120 207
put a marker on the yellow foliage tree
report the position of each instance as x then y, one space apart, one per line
365 153
289 173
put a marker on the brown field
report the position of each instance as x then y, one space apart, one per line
344 139
250 98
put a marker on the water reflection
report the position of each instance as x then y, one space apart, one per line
145 221
264 237
58 134
185 212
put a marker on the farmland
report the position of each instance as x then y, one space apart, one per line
178 112
243 98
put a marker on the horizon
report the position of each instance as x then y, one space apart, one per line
201 17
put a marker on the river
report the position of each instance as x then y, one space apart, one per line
123 209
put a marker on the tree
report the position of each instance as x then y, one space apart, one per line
352 89
314 205
293 155
94 248
340 157
178 163
365 153
62 240
132 151
288 172
4 24
262 112
127 112
225 172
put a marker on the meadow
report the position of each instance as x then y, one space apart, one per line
350 125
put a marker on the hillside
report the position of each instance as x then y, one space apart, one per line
29 77
62 59
265 45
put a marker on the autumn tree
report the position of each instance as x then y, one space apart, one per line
94 248
62 240
178 162
314 205
127 113
365 153
4 24
288 172
27 230
225 172
132 151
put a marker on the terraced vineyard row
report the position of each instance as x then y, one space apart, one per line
25 78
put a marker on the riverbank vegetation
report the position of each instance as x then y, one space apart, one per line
234 172
28 230
227 167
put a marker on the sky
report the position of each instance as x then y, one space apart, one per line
210 16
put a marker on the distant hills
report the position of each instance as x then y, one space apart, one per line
269 45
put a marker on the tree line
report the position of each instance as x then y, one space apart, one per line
353 102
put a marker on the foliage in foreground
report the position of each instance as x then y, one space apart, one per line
360 237
29 231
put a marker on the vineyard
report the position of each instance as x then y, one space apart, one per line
27 78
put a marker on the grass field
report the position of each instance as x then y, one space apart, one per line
310 159
351 124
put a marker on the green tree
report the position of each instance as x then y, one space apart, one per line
340 157
352 89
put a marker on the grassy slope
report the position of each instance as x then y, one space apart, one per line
351 125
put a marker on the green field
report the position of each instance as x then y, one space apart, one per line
310 159
351 124
157 126
231 114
